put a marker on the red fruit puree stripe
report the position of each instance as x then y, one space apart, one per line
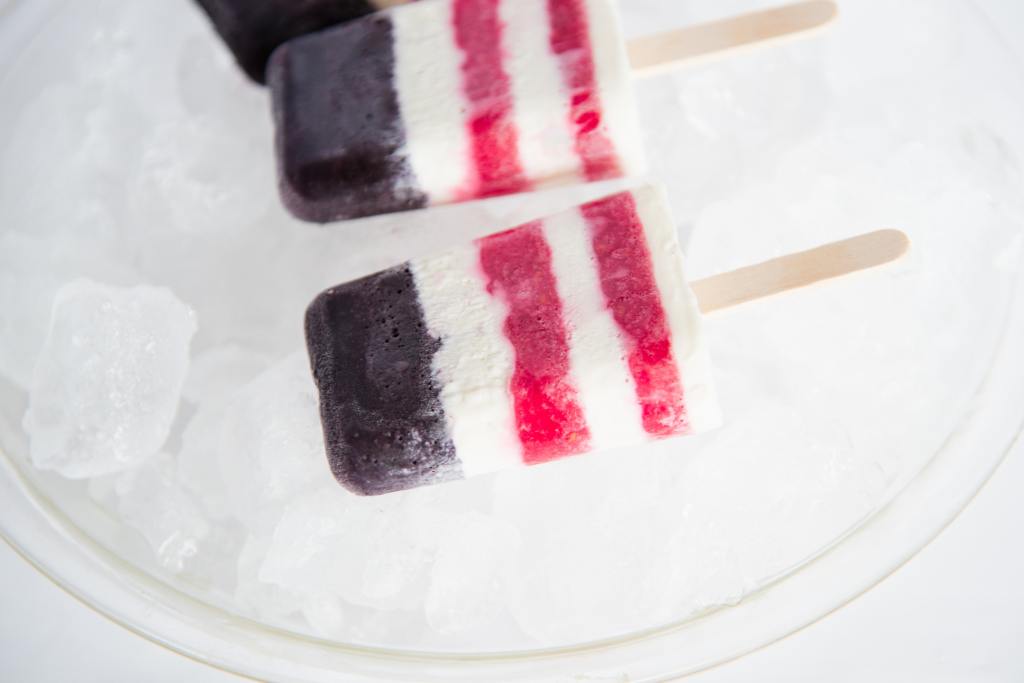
549 419
570 41
488 92
626 272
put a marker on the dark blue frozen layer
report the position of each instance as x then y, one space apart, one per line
371 353
340 134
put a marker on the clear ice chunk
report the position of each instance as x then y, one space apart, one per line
106 387
152 501
269 443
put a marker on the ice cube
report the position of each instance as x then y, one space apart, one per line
151 501
219 371
594 564
184 188
364 550
265 600
34 266
214 567
107 384
103 491
270 442
215 451
465 585
198 466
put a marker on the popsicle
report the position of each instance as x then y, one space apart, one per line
444 101
252 29
564 336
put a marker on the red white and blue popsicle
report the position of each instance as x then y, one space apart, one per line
443 101
567 335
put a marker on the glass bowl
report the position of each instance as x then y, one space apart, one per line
806 143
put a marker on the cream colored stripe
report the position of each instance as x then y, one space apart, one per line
428 79
546 144
597 354
475 361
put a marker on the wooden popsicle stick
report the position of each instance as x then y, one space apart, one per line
794 271
654 54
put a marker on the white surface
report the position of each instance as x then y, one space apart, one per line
954 613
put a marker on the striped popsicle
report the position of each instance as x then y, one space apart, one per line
567 335
444 101
253 30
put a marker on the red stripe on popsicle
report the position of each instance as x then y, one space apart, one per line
488 92
518 270
626 273
570 41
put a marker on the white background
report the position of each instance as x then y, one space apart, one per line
955 613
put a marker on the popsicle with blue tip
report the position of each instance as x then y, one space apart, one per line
568 335
445 101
